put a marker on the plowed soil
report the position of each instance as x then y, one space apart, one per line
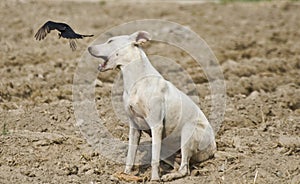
258 48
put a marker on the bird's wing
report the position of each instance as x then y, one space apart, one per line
47 27
69 33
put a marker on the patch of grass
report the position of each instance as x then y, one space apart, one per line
102 3
4 129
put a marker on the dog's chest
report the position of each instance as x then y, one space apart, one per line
143 92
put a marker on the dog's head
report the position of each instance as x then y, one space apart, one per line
119 50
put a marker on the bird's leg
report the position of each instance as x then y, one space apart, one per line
59 35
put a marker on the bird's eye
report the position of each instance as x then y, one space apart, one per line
109 41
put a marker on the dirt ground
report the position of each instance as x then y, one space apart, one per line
258 48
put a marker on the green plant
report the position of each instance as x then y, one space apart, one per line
4 129
102 2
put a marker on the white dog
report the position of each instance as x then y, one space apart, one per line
156 106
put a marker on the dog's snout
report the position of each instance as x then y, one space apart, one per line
90 49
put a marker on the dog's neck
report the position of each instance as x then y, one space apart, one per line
138 69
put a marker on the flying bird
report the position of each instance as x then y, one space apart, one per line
65 31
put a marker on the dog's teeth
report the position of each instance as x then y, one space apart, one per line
100 67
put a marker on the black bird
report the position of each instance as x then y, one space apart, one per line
65 31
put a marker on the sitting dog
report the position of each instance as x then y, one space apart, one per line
156 106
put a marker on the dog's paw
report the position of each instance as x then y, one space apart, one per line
172 176
155 178
166 177
127 169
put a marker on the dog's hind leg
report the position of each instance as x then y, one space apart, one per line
187 145
207 146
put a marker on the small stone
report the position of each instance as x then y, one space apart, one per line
97 171
12 57
72 170
28 173
85 169
254 95
114 178
89 172
195 173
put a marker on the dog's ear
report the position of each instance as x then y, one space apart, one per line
140 37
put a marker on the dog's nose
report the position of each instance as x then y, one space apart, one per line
90 49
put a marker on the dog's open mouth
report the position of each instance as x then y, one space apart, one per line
102 65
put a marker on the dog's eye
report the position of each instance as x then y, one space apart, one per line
109 41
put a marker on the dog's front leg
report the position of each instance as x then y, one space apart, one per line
156 148
134 138
155 121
